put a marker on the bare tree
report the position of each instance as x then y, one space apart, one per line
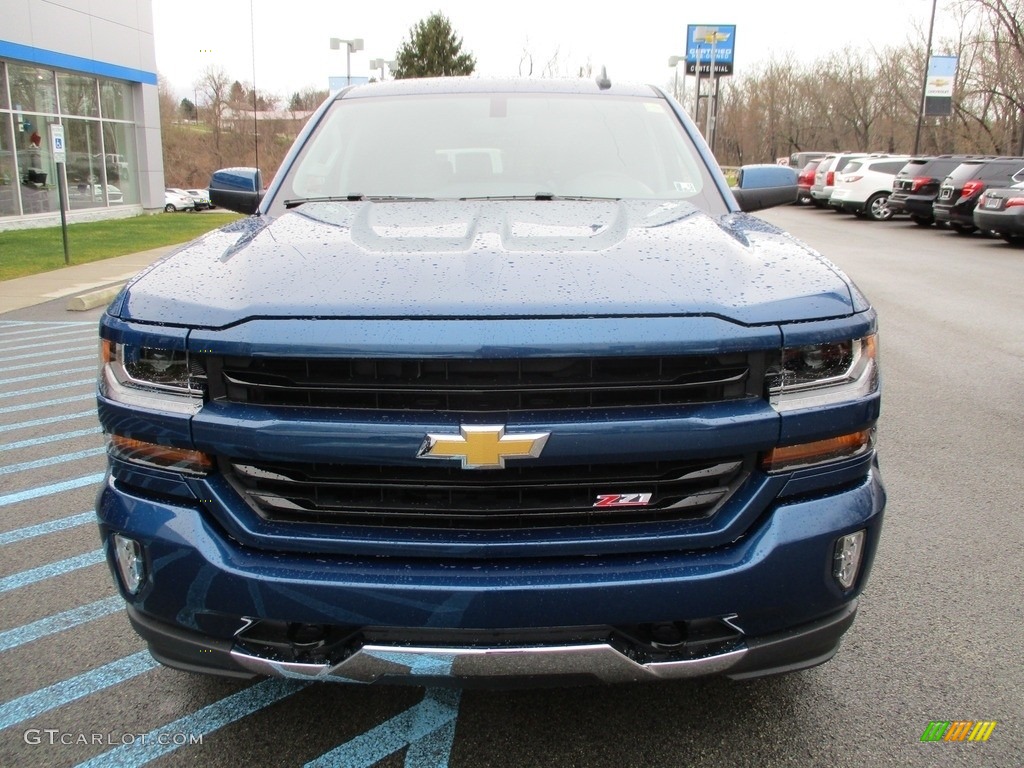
215 86
994 88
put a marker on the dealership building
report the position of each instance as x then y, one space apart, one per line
89 66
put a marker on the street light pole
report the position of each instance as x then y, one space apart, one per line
696 94
924 80
350 46
712 86
381 64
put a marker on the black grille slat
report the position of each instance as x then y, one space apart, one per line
449 497
476 385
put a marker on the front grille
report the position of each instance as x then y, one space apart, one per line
512 498
482 385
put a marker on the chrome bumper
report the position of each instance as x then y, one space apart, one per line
801 647
372 663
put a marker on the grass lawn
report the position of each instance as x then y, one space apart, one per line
29 251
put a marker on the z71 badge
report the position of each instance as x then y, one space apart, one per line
623 500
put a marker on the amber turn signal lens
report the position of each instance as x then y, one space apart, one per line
108 351
806 454
159 456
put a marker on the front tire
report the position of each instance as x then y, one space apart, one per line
169 208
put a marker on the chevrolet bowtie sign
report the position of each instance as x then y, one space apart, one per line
483 447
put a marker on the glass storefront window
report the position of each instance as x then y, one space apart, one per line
8 170
116 100
84 166
38 172
77 95
119 146
32 89
99 134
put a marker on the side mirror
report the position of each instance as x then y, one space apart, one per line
765 186
237 189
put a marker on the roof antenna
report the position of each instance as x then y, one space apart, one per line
602 79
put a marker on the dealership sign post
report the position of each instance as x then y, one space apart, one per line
938 89
709 50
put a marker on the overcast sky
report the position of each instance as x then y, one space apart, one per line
633 39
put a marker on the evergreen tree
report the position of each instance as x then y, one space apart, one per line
433 50
187 110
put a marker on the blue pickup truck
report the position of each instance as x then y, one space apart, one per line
499 381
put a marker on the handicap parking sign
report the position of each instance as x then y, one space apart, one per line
57 143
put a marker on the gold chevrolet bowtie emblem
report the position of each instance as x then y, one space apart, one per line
483 447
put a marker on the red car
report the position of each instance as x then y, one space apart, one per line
804 181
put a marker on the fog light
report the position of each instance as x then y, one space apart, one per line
846 561
128 554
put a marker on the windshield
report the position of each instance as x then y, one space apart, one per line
534 146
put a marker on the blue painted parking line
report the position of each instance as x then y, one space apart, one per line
52 353
50 439
202 722
47 403
57 695
50 461
49 388
49 490
25 333
84 338
16 323
48 420
33 366
42 529
427 729
43 333
47 375
59 622
50 570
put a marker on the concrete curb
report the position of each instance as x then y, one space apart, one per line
94 299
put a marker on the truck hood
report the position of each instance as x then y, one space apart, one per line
438 259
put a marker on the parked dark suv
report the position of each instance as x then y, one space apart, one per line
917 185
961 189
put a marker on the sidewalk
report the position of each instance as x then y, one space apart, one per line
90 282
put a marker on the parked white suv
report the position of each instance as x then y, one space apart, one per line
864 186
824 175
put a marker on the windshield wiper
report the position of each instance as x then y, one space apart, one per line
296 202
540 196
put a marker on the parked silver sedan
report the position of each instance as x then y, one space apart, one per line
1001 210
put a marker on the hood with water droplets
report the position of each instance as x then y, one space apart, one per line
491 258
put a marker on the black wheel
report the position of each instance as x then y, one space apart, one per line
877 208
922 221
1017 240
169 208
962 229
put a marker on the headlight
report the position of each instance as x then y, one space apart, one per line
151 377
822 374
